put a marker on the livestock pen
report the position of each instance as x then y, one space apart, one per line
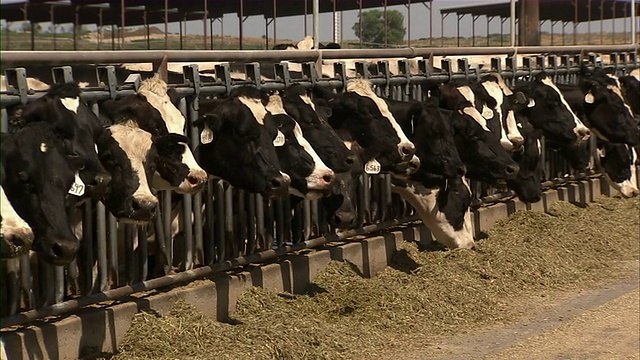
238 228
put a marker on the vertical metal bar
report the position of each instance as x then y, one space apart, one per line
360 22
166 24
261 235
228 220
143 258
58 292
250 205
316 24
408 23
306 208
269 226
589 22
204 24
112 238
129 233
101 242
240 22
275 20
512 22
167 215
306 11
26 280
122 24
633 21
241 222
220 220
386 24
13 284
279 221
87 246
209 241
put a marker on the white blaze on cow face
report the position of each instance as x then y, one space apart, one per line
322 176
155 91
14 227
493 89
581 131
256 107
363 88
628 188
43 147
136 144
424 200
71 104
308 101
471 110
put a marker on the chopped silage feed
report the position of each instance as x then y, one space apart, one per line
420 297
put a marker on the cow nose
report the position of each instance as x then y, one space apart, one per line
343 219
59 251
328 177
584 133
193 180
461 170
407 150
144 205
280 184
510 171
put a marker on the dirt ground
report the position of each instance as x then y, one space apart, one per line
603 323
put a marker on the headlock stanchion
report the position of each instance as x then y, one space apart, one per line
223 227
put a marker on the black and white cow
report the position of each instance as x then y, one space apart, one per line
77 125
235 146
309 175
480 149
618 162
152 109
549 111
631 90
311 116
38 174
129 154
599 101
16 235
368 121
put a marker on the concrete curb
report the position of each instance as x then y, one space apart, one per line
102 329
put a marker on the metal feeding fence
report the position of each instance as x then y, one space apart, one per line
223 227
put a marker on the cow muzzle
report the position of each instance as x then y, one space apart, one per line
193 183
16 242
57 251
406 150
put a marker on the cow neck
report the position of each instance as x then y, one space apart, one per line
617 90
548 82
363 88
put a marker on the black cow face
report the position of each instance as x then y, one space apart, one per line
77 125
16 236
312 117
369 122
130 156
528 184
481 151
631 91
341 205
38 176
618 162
429 129
235 147
607 111
550 112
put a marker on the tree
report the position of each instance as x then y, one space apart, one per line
373 27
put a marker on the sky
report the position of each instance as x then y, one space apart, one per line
293 27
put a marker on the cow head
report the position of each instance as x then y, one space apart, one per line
236 147
38 176
495 87
176 167
77 126
309 175
341 204
129 154
480 149
618 162
548 110
528 184
609 116
631 91
369 122
312 117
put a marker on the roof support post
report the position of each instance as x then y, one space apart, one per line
316 24
633 21
76 25
529 24
240 24
204 24
386 24
512 22
166 24
122 24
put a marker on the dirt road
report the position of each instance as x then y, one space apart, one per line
594 324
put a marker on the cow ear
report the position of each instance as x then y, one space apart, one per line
520 98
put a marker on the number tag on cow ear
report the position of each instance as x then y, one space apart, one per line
486 112
589 99
77 188
372 167
206 136
279 140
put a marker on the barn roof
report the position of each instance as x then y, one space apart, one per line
554 10
90 11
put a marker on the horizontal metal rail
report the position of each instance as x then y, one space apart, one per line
24 58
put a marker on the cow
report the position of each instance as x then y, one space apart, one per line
631 90
37 176
309 175
153 110
129 154
288 46
549 111
618 162
367 120
76 124
599 101
311 116
234 145
17 235
480 149
496 89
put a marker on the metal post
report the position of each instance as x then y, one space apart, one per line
113 37
316 24
306 11
633 21
122 24
100 29
575 21
442 17
473 29
360 22
431 25
613 21
489 18
33 32
601 22
386 24
458 28
240 23
53 25
146 27
589 22
275 17
266 33
204 24
166 24
211 31
76 24
409 23
512 22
